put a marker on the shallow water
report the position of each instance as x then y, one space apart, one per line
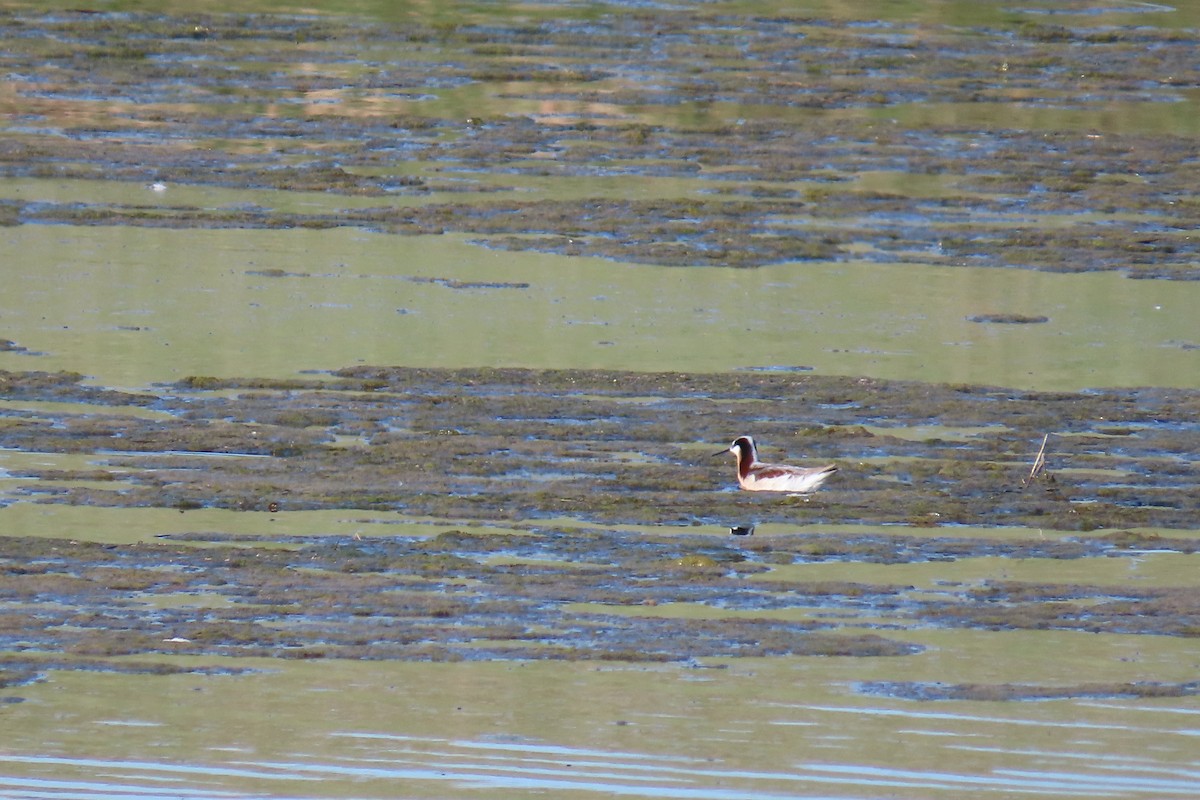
128 307
887 171
756 728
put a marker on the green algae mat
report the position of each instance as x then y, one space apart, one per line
525 514
707 136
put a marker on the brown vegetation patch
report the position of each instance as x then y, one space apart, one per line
522 445
778 182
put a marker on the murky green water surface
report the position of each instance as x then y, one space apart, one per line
131 307
361 364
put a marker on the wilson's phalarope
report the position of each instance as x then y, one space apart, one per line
755 476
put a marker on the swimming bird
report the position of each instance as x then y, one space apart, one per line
755 476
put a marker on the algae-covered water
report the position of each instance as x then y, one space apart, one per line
131 307
361 366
